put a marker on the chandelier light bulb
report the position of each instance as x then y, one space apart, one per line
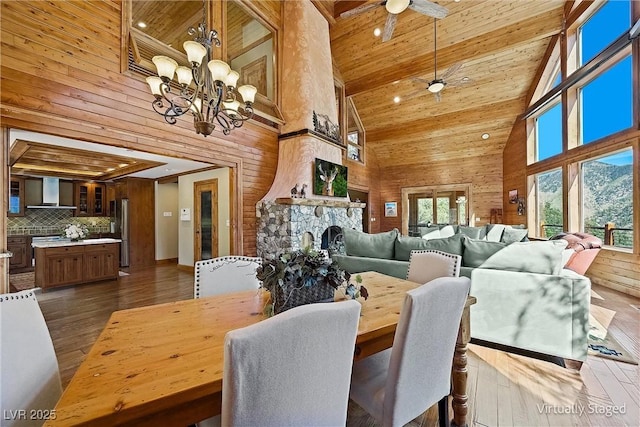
232 78
219 70
195 51
166 66
248 93
184 75
154 83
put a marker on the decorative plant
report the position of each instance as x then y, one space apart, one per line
300 277
75 231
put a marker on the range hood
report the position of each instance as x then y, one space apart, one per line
50 195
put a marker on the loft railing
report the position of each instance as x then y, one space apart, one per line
610 234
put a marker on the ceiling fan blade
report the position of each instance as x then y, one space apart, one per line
438 96
451 71
360 9
428 8
420 80
389 26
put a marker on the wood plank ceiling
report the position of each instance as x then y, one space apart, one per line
499 44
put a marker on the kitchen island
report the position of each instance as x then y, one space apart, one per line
63 262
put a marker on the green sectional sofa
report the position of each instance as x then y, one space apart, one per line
526 299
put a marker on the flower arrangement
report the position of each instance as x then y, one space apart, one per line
75 231
302 277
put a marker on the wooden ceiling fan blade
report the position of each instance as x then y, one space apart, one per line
428 8
360 9
420 80
451 71
389 26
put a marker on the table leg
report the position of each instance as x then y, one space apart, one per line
459 372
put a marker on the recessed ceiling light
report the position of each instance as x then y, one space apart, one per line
485 136
465 79
377 32
142 24
396 99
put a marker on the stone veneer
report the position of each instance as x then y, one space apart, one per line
282 224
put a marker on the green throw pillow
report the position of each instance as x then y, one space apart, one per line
404 245
472 232
380 245
544 257
477 251
512 235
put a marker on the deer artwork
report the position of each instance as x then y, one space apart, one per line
328 177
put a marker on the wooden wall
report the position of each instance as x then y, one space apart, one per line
484 173
61 75
514 161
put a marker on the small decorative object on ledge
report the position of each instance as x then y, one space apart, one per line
294 192
303 191
75 232
326 127
304 277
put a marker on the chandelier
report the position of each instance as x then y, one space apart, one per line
215 97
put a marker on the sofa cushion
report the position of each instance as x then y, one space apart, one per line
354 264
477 252
544 257
380 245
473 232
512 235
404 245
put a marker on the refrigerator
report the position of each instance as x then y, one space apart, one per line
120 217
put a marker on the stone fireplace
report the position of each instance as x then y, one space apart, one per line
286 223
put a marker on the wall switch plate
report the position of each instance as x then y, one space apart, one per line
228 223
167 214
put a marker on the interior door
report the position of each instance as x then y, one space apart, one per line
205 219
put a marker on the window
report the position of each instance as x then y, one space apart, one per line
607 198
606 103
548 133
604 26
548 194
424 206
355 134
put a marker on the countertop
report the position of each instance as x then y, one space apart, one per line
67 242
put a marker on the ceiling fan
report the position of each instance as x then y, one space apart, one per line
395 7
436 85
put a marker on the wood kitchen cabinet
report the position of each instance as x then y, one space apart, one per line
20 246
71 265
16 197
90 199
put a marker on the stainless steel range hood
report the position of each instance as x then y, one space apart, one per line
50 195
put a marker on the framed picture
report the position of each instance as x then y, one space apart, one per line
391 209
513 196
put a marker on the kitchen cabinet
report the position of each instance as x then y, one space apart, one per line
20 246
16 197
75 264
140 239
90 199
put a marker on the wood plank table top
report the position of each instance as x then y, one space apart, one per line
162 364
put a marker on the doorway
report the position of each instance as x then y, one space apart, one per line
205 219
361 196
426 206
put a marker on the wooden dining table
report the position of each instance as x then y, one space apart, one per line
162 364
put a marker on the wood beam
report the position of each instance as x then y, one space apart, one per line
325 7
537 27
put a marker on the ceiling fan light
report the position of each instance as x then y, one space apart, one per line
435 86
397 6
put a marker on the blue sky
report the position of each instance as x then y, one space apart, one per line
607 100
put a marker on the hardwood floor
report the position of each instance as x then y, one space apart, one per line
504 389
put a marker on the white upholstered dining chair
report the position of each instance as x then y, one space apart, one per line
397 385
426 265
29 376
225 274
293 369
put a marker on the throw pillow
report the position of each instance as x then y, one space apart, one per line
447 231
404 245
494 232
512 235
431 233
380 245
544 257
472 232
477 252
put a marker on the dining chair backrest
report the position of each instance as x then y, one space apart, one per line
422 353
225 274
292 369
29 376
426 265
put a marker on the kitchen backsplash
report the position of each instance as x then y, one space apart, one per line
52 221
